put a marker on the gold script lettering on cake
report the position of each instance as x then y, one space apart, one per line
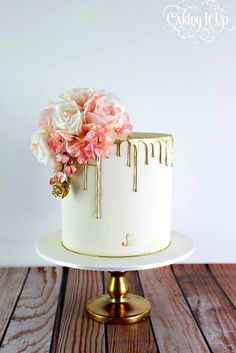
161 145
148 241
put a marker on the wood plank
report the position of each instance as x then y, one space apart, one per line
11 283
211 308
175 329
78 333
30 329
132 338
225 274
60 305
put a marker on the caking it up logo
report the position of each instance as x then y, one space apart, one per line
197 20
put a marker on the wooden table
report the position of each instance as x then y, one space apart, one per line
193 310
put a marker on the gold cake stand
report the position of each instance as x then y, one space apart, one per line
118 306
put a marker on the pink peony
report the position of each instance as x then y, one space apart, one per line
105 110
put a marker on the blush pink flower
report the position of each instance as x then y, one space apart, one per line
51 181
64 159
61 176
123 127
105 110
84 154
79 95
45 119
73 146
56 142
100 139
76 148
56 167
70 170
81 125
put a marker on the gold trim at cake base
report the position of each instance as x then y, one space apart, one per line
86 254
134 310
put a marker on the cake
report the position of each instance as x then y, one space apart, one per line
116 202
121 206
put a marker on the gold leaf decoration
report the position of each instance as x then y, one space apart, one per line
60 189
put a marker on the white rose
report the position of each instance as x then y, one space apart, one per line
66 117
39 147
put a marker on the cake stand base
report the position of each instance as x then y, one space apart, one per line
118 307
136 309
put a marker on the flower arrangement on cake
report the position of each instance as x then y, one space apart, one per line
78 127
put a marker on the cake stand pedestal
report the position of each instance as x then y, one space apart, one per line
118 306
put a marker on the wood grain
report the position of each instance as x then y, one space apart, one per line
30 329
78 333
225 274
132 338
11 283
175 329
211 308
193 310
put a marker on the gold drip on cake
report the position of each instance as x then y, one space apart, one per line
98 187
146 160
149 140
129 155
135 162
85 176
165 156
118 151
163 152
152 150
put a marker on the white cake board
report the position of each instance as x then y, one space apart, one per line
50 248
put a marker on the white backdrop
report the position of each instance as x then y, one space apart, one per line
168 85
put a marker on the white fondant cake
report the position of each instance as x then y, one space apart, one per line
117 210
